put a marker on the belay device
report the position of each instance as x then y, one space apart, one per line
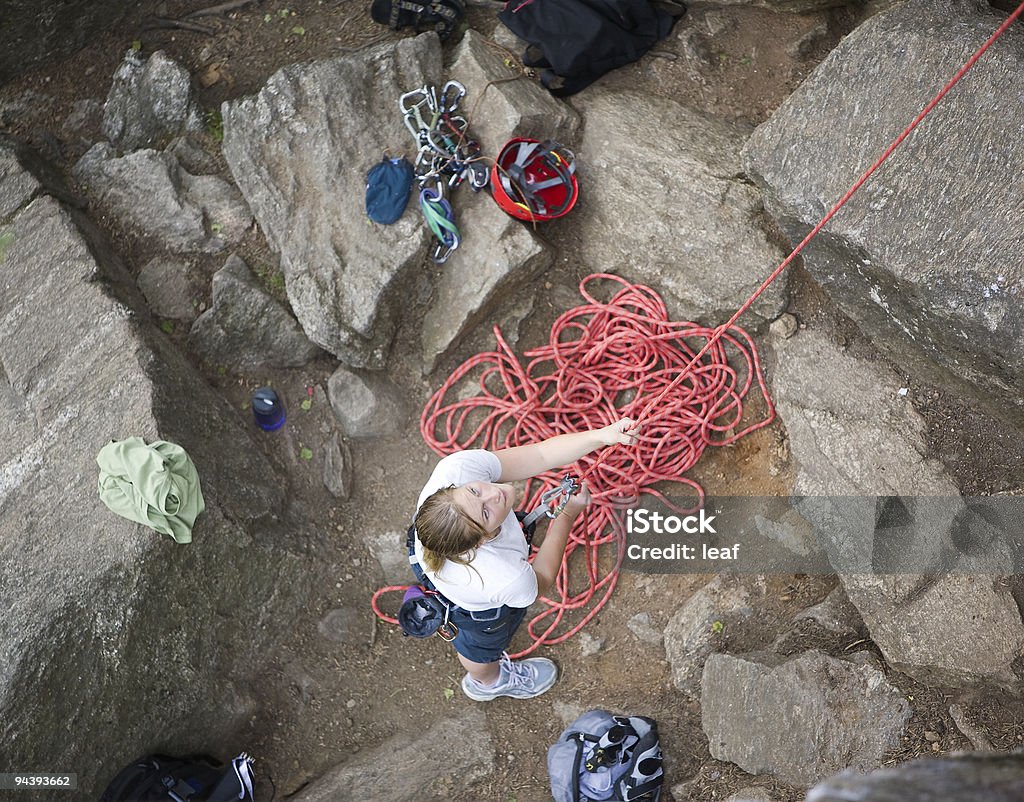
570 485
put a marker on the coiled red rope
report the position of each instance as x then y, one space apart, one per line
611 367
602 360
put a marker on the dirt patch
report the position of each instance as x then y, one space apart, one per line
341 681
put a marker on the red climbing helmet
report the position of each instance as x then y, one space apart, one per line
534 180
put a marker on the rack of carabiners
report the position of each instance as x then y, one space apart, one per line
447 156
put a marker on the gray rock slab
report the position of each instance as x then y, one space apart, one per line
957 778
299 151
388 549
225 212
147 191
812 715
889 516
925 257
191 156
17 185
150 102
689 636
168 288
498 258
246 328
509 108
850 431
406 768
790 530
103 618
337 471
365 404
673 210
952 630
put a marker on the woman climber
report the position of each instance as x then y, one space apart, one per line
469 545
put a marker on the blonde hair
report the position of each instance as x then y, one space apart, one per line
446 531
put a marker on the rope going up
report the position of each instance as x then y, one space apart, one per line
836 207
522 397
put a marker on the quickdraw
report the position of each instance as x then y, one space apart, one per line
437 212
446 157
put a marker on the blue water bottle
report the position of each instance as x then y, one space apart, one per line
268 409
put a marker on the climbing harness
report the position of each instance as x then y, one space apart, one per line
624 350
533 180
446 157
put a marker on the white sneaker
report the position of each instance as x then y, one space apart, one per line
522 679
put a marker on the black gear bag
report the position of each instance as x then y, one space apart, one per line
442 16
575 42
196 778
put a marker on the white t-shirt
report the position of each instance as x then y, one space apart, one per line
500 573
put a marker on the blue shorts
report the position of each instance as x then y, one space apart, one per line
485 634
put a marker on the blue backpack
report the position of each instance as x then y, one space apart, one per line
388 185
608 758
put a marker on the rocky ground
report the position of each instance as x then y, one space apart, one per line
342 682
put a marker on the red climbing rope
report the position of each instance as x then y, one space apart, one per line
601 360
615 355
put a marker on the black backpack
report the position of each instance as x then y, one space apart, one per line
440 15
196 778
575 42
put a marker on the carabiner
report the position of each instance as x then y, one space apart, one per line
446 106
442 251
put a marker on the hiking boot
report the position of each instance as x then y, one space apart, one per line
522 679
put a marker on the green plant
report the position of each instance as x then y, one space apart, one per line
167 327
215 125
306 453
272 278
6 240
299 30
717 627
